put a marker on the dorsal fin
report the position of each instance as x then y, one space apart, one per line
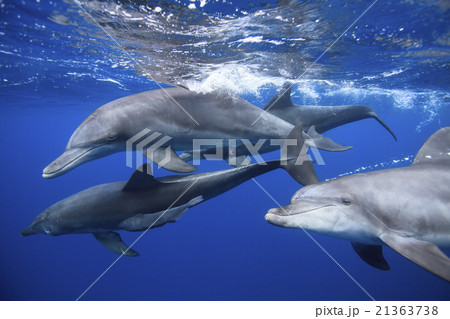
281 99
141 179
437 147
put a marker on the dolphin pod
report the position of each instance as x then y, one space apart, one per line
407 209
178 113
145 202
404 208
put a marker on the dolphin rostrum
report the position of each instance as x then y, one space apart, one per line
407 209
177 113
144 201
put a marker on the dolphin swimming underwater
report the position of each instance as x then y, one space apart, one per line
178 113
145 201
316 120
407 209
323 118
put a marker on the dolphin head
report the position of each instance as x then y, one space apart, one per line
40 225
323 208
96 137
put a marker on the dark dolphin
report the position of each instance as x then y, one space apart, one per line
145 201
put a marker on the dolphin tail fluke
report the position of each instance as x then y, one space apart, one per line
294 159
375 116
113 242
425 254
168 159
314 139
372 255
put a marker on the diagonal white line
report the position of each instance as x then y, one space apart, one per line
133 59
316 242
315 61
123 253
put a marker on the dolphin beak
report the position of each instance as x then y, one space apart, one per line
280 217
28 231
66 162
287 216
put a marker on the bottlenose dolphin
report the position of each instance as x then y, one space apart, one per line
407 209
316 120
145 201
177 113
323 118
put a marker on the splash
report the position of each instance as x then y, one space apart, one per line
245 48
378 166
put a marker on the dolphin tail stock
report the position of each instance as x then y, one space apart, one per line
314 139
375 116
294 160
113 242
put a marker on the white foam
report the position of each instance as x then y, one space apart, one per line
389 164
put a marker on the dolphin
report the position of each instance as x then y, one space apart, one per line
145 202
180 116
407 209
323 118
316 120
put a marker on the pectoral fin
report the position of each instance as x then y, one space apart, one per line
425 254
314 139
168 159
371 254
187 156
113 242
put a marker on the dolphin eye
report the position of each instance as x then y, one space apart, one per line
346 200
111 137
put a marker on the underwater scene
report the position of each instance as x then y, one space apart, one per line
344 105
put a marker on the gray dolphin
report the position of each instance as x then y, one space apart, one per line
145 201
323 118
315 119
406 208
178 113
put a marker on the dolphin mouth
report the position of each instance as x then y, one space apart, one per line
297 209
66 161
285 216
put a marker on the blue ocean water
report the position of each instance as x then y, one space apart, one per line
58 65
